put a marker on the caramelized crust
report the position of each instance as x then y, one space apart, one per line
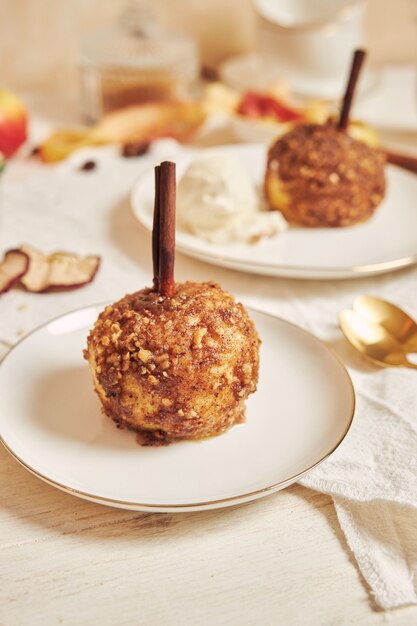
318 175
175 368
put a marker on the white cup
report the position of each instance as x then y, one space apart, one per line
310 42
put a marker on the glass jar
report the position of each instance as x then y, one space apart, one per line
135 62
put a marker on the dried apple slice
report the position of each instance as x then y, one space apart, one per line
149 121
15 264
61 143
136 123
57 271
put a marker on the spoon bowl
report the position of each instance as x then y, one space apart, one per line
396 321
373 340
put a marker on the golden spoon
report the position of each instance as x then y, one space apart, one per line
373 340
396 321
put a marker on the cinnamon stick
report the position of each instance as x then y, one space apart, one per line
406 161
357 61
166 284
155 231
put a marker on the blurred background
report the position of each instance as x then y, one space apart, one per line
39 39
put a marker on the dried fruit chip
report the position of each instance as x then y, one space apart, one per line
15 264
88 166
258 105
137 123
148 121
59 270
135 148
62 143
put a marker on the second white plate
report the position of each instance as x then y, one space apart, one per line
386 242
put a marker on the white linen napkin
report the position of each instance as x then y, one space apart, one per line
373 480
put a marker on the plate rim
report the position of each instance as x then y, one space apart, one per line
288 271
193 506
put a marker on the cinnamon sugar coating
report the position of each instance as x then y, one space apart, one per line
174 368
318 176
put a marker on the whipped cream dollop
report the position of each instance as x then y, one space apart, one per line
216 200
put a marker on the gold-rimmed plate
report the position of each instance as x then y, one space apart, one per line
51 422
386 242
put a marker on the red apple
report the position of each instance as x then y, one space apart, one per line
13 123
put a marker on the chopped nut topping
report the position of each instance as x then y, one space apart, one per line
198 336
113 358
144 355
194 319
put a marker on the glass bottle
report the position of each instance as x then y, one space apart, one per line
135 62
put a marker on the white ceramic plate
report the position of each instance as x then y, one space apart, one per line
386 242
51 422
249 71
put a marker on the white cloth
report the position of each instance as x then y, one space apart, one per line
373 481
372 476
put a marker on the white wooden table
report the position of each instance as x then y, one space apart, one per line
279 560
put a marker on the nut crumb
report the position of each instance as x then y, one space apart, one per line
144 355
198 336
